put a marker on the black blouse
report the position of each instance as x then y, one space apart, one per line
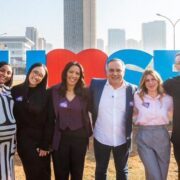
31 114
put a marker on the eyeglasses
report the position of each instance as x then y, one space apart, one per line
37 73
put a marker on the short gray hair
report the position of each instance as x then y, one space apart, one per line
120 60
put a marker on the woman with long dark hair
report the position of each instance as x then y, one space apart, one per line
72 126
34 129
7 123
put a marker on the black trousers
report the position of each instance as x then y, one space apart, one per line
177 157
35 167
102 156
68 160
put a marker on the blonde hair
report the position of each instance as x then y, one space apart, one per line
144 90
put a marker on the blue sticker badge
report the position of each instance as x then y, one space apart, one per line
63 104
20 98
146 104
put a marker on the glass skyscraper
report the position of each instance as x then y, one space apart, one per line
79 24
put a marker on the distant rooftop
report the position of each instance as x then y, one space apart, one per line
16 38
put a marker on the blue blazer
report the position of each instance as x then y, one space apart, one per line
96 89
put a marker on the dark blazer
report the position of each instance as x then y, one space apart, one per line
96 89
54 98
172 87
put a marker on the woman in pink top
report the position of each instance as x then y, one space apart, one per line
152 110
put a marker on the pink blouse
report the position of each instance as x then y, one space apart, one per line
152 111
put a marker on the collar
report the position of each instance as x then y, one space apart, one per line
150 97
124 84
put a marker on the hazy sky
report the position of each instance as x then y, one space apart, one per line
47 17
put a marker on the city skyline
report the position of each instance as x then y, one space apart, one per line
47 17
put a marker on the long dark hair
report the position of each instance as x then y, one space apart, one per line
37 100
79 87
8 83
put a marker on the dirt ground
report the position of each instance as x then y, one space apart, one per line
136 169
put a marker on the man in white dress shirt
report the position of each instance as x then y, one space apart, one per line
112 107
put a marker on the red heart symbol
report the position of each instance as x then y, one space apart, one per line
93 61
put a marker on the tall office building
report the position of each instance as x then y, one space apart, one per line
116 40
154 35
32 34
79 24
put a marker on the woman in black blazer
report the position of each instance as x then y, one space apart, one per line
34 128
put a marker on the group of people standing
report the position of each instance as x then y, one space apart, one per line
57 122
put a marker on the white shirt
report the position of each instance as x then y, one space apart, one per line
110 124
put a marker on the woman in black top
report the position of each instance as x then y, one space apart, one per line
72 127
34 129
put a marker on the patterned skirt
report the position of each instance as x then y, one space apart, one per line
7 150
